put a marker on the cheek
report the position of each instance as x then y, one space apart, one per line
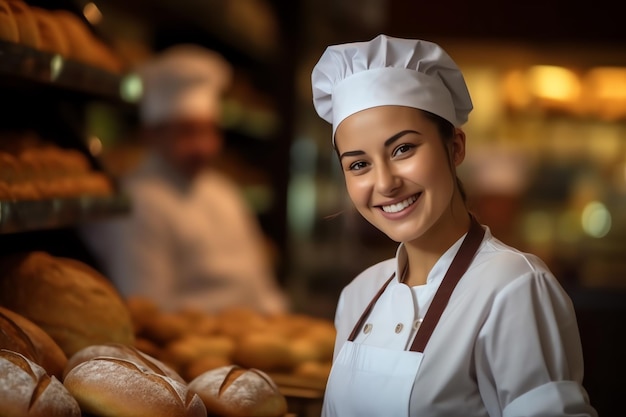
357 190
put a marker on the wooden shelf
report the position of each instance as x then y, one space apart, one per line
22 67
23 216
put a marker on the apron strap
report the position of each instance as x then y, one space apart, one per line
459 265
370 306
457 268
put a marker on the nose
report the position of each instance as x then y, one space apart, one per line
387 181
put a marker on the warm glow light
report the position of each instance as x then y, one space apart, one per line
596 219
92 13
516 90
95 145
608 82
555 83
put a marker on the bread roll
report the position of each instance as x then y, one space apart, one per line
164 327
265 351
116 350
112 387
190 348
142 310
233 391
45 351
69 300
53 39
26 24
79 36
204 364
26 390
8 26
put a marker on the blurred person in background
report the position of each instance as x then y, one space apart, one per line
191 240
457 323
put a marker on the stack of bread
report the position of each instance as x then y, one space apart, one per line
32 168
56 31
193 342
67 348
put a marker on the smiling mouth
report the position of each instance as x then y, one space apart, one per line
395 208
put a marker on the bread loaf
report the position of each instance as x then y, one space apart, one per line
116 350
39 347
26 390
112 387
26 24
52 37
8 26
233 391
69 300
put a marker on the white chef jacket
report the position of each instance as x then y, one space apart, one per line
186 244
506 345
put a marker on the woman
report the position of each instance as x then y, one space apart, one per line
458 323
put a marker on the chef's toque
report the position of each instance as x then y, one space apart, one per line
356 76
184 81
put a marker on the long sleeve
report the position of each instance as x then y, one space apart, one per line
528 355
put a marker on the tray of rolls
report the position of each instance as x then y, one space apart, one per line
56 46
70 345
44 185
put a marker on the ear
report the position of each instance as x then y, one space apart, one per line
458 147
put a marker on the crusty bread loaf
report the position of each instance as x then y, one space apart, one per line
13 338
233 391
116 350
8 26
26 390
112 387
69 300
41 348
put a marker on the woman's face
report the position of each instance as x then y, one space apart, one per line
397 170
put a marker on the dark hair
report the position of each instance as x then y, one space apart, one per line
447 132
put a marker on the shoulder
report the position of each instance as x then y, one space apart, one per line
500 271
506 263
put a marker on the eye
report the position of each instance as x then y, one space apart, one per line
402 149
357 166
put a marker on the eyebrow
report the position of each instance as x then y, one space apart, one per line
388 142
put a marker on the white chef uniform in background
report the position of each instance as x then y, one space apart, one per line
507 344
189 241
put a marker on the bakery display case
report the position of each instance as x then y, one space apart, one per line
48 72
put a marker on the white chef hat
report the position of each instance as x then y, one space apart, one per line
184 81
356 76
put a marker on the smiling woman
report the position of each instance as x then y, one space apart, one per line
435 330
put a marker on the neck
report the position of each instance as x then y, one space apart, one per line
423 253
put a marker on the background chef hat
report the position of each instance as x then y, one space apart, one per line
356 76
184 81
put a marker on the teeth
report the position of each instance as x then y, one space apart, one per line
394 208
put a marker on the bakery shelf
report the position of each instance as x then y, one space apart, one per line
23 67
23 216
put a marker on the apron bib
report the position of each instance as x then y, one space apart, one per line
373 381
